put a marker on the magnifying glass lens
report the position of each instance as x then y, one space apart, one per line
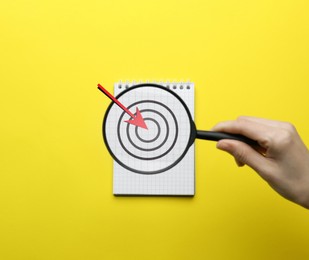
163 144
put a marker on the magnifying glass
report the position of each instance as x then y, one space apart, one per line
170 130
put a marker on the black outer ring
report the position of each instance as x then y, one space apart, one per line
191 137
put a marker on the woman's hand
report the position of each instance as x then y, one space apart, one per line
282 158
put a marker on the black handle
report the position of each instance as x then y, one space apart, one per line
216 136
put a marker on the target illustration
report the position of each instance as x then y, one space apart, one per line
158 135
158 147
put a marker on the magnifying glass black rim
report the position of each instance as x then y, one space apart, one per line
190 141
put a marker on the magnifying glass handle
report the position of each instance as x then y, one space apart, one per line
216 136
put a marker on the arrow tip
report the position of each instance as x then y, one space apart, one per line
138 120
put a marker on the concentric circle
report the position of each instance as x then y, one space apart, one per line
165 138
149 149
147 119
163 144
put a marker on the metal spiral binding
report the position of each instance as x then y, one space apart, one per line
173 85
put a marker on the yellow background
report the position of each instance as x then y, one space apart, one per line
56 202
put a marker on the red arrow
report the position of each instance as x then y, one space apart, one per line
137 119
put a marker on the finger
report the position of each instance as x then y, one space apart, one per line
244 154
261 133
267 122
239 164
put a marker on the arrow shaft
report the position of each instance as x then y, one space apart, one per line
115 100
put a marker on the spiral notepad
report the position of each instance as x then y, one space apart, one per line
176 181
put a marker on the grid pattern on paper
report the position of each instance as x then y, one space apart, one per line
179 180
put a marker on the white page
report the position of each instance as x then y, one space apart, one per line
179 180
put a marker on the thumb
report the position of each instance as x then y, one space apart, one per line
244 154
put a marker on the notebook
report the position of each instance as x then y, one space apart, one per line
177 181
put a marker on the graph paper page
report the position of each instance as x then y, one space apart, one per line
179 179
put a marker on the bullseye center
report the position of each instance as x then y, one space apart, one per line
151 134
